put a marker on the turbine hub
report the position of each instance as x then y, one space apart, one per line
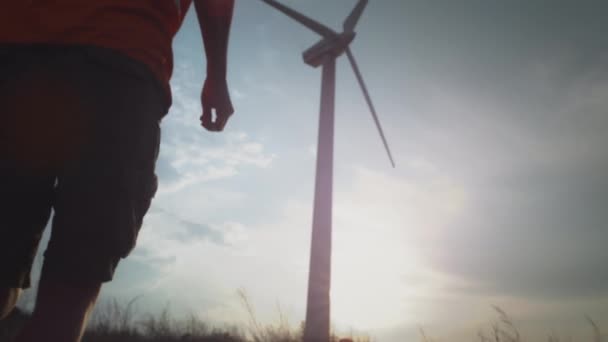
332 47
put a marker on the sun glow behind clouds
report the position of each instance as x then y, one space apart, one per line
367 280
378 258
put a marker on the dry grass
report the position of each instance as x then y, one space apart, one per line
119 323
503 329
115 322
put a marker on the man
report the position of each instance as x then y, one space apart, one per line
83 88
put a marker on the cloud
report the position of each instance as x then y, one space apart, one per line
534 169
201 266
190 230
191 155
381 223
377 225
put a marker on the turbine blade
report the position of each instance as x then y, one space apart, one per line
351 58
302 19
353 18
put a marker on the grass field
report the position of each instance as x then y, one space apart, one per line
115 322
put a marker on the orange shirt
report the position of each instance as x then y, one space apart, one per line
141 29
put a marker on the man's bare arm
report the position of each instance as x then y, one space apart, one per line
215 19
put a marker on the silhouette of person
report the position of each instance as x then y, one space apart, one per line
84 86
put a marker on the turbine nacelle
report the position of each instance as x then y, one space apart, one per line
333 46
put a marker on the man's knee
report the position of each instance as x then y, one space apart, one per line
8 300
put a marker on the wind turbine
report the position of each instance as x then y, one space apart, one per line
324 53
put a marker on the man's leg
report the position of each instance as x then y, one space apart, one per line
8 300
61 312
102 192
25 206
25 192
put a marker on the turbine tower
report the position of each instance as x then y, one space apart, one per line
324 53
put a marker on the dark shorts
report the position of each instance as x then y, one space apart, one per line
79 134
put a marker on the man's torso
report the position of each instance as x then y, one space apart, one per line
141 29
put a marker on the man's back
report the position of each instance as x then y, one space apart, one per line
141 29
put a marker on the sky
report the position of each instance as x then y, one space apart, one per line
496 113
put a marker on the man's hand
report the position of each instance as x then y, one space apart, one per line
215 18
215 96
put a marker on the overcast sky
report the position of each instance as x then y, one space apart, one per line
496 112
